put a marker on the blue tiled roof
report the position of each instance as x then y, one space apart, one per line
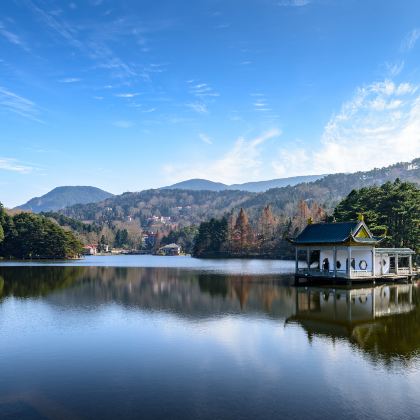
326 233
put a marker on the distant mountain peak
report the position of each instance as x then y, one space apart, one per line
64 196
197 184
257 186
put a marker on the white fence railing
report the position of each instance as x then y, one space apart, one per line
330 273
361 273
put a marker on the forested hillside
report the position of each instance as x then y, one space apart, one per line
185 207
391 211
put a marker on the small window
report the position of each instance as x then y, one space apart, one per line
338 264
363 265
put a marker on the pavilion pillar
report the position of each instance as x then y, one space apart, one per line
349 264
335 260
410 263
296 260
374 262
308 257
381 263
396 263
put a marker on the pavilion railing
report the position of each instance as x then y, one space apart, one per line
361 273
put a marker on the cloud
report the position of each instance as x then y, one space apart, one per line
123 123
92 45
12 37
239 164
410 40
394 69
260 103
202 90
379 126
293 3
198 107
13 165
127 95
70 80
12 102
205 138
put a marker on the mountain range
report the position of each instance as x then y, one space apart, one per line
186 207
257 186
194 200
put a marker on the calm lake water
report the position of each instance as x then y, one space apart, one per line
156 337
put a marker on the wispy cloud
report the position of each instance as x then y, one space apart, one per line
293 3
92 45
377 127
394 69
17 104
202 90
123 124
205 138
13 165
260 102
127 95
410 40
198 107
12 37
70 80
241 163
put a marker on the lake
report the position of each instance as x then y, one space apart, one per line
177 337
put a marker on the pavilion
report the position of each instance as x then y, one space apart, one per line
348 251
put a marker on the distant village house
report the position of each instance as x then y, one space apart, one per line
171 249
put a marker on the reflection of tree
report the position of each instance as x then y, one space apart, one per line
36 281
392 337
383 323
215 285
194 295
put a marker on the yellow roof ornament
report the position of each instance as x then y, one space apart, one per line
310 221
360 217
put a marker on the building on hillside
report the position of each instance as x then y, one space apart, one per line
171 249
90 249
348 251
148 239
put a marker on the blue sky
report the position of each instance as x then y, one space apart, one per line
129 95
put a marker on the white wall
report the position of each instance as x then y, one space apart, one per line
358 253
378 259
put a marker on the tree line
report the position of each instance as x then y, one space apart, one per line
391 211
27 235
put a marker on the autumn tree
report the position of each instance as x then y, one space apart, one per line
266 224
242 232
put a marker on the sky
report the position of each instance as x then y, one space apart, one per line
130 95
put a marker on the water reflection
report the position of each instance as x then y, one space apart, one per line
381 321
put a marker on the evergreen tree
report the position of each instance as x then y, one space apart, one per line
33 236
391 210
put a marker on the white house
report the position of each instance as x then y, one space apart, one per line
348 250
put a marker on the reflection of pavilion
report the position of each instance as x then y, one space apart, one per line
339 311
